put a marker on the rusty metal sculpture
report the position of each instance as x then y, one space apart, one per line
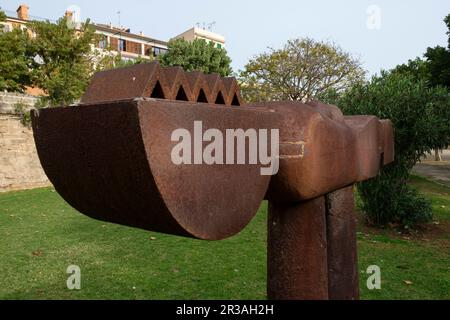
110 158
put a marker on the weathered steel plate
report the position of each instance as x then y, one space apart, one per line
112 162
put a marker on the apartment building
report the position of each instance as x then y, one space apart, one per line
121 40
199 33
117 39
128 44
17 22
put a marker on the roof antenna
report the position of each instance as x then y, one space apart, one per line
211 25
118 14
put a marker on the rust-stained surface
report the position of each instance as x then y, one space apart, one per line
343 281
116 166
150 80
297 251
388 141
110 158
321 150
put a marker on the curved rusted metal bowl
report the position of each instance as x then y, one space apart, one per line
112 162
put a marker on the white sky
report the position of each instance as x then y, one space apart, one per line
407 27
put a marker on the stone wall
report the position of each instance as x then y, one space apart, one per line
9 100
19 163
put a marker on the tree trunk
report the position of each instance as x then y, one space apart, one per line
437 155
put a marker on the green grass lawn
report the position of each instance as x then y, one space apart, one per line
41 236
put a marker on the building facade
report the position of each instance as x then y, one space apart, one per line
199 33
19 21
129 45
119 40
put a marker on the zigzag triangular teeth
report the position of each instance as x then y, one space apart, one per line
229 84
217 89
158 88
199 87
236 99
175 79
231 87
172 83
123 83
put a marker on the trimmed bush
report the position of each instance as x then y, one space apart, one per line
421 120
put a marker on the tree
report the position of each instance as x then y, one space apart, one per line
113 61
420 115
438 59
197 55
2 17
15 59
417 69
64 64
302 70
435 71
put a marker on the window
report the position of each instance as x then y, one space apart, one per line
157 51
122 45
219 46
103 43
6 27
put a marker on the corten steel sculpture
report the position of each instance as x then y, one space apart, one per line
110 158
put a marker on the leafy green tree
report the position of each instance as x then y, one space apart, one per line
416 97
15 59
439 65
302 70
438 59
418 69
420 115
63 63
197 55
435 71
114 61
2 17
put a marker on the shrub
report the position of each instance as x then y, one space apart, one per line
22 110
197 55
421 120
386 200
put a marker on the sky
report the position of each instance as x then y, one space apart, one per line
381 33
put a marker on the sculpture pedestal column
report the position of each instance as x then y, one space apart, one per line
312 252
343 279
297 251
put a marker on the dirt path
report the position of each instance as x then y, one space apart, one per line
436 171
